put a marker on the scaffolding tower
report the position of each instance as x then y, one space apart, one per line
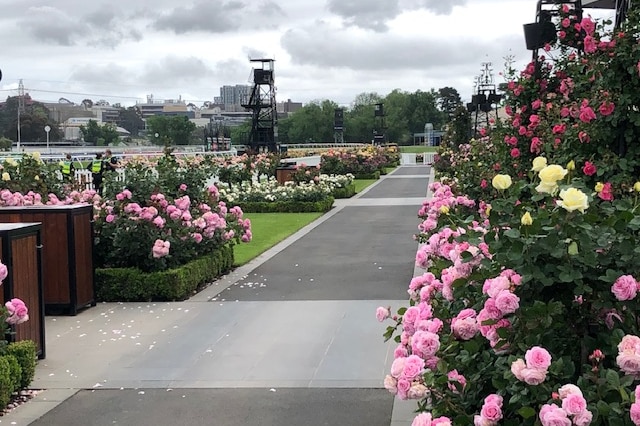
262 104
485 99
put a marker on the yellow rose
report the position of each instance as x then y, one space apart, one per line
36 155
636 186
5 176
547 188
501 182
571 165
573 199
487 211
552 174
526 220
599 187
37 177
539 163
444 209
11 162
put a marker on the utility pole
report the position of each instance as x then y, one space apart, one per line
20 107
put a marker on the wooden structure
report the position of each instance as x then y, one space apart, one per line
20 251
67 255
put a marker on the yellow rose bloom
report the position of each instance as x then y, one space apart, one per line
501 182
636 186
547 188
552 174
573 199
599 187
6 177
539 163
11 162
444 209
36 155
526 219
37 177
571 165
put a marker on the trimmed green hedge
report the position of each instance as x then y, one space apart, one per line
133 285
346 192
25 352
374 175
287 206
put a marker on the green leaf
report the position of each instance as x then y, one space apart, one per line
527 412
512 233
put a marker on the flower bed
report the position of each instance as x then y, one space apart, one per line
362 163
526 312
179 283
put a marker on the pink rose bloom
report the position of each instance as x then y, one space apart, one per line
400 351
17 311
516 368
634 413
567 390
159 222
397 367
553 416
109 218
629 343
464 329
574 404
183 187
491 411
637 393
160 248
425 343
382 313
607 192
533 376
583 418
538 358
390 384
197 237
629 363
413 367
417 391
422 419
625 288
507 302
441 421
481 421
4 272
453 377
403 388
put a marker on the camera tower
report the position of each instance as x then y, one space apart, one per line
262 104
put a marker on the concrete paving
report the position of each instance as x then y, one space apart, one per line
288 339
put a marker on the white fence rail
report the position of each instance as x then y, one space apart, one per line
408 159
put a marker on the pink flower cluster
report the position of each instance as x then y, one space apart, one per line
628 358
573 409
491 411
456 381
160 248
502 301
634 411
533 369
432 208
4 272
17 311
405 379
426 419
625 288
8 198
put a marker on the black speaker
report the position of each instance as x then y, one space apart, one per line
262 76
378 110
0 75
338 119
537 34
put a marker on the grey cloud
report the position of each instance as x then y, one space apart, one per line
439 7
204 16
369 14
51 25
325 47
270 8
172 70
103 17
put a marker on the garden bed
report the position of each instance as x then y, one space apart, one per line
346 192
287 206
372 175
133 285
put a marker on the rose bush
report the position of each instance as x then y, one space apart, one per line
527 310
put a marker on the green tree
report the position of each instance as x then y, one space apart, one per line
359 119
5 143
131 119
459 128
174 130
91 132
448 101
33 120
396 106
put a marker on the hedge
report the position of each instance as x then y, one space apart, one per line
133 285
287 206
346 192
25 352
372 175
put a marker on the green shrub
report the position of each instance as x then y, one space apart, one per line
6 381
15 372
373 175
25 352
287 206
133 285
346 192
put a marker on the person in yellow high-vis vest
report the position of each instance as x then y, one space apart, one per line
68 169
96 167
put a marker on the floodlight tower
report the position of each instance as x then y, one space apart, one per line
262 104
380 125
338 125
485 98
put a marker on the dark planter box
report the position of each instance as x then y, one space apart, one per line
67 255
21 251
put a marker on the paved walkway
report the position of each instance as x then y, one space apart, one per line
288 339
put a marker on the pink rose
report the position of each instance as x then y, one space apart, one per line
625 288
574 404
17 310
391 384
425 343
454 377
516 368
583 418
538 358
397 366
494 399
491 411
533 376
422 419
507 302
4 272
551 415
417 391
403 388
629 363
634 413
464 329
441 421
382 313
629 343
589 168
110 218
413 367
567 390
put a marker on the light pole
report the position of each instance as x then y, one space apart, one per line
47 129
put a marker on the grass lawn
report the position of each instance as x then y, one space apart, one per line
417 149
361 184
269 229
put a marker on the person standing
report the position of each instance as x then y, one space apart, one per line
111 163
68 169
96 167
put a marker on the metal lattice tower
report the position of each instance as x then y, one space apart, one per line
262 104
485 98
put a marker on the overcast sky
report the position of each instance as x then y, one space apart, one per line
124 50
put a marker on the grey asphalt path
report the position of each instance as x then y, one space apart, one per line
270 344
